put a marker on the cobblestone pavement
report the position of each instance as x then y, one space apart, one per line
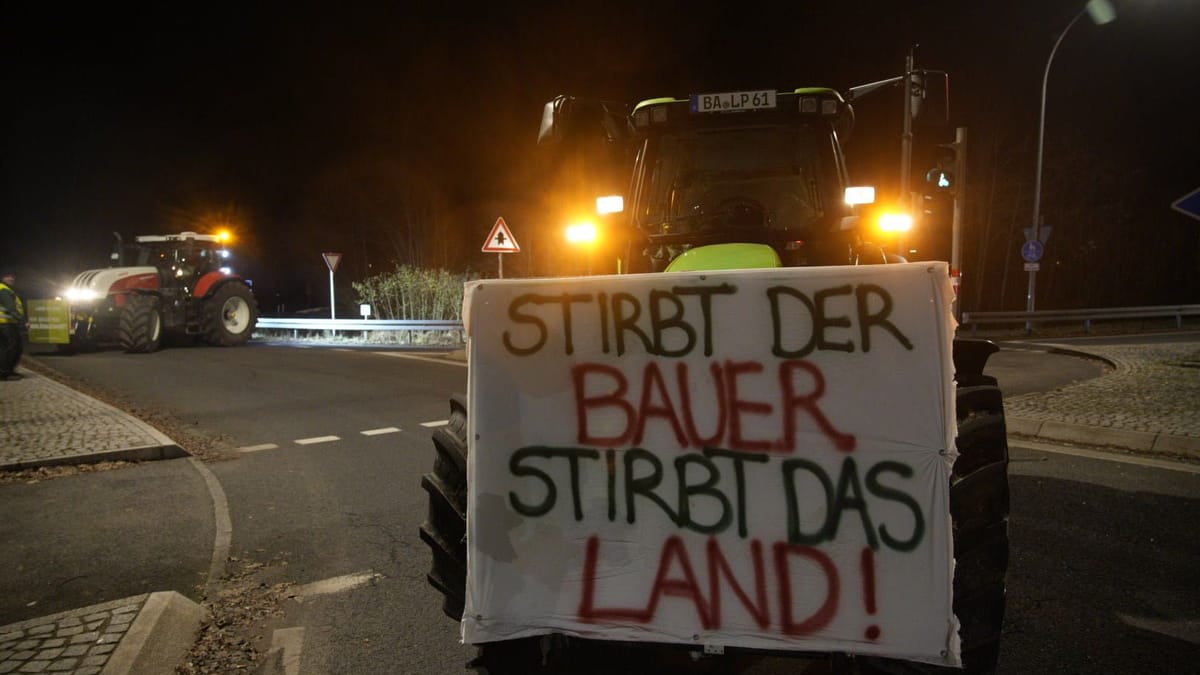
79 641
1154 389
43 422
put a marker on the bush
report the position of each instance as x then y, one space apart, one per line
413 293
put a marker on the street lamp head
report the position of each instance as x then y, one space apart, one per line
1101 11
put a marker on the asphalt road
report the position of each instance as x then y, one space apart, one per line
1103 575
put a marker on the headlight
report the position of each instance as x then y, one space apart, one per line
81 294
582 233
895 222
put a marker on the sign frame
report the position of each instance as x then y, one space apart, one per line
501 239
1189 204
578 560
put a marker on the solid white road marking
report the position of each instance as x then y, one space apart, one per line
336 584
316 439
417 357
224 526
1106 456
290 641
383 430
439 423
256 448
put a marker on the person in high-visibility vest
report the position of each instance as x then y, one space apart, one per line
12 323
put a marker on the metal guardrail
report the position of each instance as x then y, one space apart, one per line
360 325
1087 316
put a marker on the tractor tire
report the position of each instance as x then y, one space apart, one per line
140 327
979 505
445 531
230 315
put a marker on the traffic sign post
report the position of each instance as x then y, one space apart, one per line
500 241
331 261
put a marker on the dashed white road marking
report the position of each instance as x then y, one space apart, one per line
438 423
337 584
1187 630
418 357
316 439
382 430
256 448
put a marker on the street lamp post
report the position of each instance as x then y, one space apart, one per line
1101 12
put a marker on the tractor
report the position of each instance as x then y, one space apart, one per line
737 180
173 284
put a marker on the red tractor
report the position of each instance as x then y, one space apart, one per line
177 283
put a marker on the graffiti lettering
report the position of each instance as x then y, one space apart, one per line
607 415
665 328
815 312
664 322
676 578
696 483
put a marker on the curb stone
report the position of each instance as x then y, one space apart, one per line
149 633
46 423
1119 409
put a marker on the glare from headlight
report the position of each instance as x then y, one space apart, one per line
81 294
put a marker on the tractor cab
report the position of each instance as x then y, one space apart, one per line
181 258
762 170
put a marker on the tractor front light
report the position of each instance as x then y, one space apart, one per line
81 294
582 233
895 222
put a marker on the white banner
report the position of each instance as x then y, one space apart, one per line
748 458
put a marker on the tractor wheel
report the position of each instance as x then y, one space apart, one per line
979 512
140 327
230 315
445 531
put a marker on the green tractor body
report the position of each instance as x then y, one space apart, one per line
751 180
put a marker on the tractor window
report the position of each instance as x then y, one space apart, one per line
708 179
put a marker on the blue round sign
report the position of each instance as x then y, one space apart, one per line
1032 251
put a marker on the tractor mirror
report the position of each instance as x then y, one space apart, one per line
582 120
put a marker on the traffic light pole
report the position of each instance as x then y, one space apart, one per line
907 137
960 205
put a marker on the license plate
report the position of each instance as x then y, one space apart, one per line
733 100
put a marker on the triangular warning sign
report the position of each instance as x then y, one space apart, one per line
501 239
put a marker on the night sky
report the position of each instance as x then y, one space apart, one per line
401 132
